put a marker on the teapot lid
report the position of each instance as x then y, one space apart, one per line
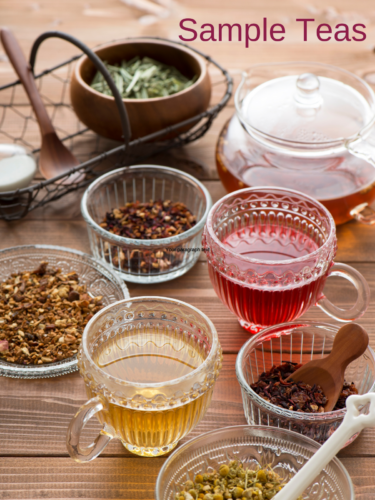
307 108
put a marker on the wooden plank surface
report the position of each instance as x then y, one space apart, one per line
114 478
34 415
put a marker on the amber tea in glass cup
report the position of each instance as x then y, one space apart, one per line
269 253
149 366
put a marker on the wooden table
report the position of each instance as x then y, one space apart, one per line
34 415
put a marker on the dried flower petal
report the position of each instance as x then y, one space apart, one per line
4 346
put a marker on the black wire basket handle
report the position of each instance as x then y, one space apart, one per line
125 124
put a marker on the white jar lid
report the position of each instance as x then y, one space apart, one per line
17 167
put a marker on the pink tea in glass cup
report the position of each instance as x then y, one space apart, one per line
269 254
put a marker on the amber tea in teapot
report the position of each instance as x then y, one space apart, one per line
307 127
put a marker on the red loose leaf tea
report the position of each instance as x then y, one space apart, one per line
152 220
147 221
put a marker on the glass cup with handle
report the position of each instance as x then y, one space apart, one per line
149 365
270 252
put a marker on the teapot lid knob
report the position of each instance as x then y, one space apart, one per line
308 90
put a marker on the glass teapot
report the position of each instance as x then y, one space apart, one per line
303 126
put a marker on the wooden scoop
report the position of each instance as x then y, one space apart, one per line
350 342
55 159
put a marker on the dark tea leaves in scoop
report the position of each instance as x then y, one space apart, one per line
293 395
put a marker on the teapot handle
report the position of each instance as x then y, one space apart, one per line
363 213
363 146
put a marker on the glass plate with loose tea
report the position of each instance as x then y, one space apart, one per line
47 296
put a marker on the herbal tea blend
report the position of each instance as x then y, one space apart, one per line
294 395
153 220
146 221
142 79
42 315
232 481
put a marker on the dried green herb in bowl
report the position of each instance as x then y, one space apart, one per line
142 79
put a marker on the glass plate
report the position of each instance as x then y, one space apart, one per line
99 278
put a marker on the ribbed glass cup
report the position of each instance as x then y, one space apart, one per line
172 256
148 417
286 452
298 342
270 251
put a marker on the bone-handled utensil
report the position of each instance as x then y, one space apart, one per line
353 422
54 159
350 342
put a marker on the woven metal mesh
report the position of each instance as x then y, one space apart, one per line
96 154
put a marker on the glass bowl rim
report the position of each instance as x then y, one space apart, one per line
122 240
292 415
70 364
216 436
215 345
332 143
330 238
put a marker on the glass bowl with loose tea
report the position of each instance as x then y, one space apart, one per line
162 83
270 357
146 221
47 296
247 463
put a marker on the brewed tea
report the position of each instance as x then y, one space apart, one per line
261 307
341 183
149 355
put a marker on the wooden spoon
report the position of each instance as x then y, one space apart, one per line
350 342
55 159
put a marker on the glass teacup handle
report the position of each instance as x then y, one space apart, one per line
78 422
363 291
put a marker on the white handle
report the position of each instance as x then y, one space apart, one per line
353 422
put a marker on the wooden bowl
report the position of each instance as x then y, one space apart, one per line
99 112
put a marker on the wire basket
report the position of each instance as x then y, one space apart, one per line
97 155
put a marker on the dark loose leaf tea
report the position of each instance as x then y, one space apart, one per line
142 79
293 395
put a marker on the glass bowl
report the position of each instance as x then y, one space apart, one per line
285 451
297 342
98 278
173 256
